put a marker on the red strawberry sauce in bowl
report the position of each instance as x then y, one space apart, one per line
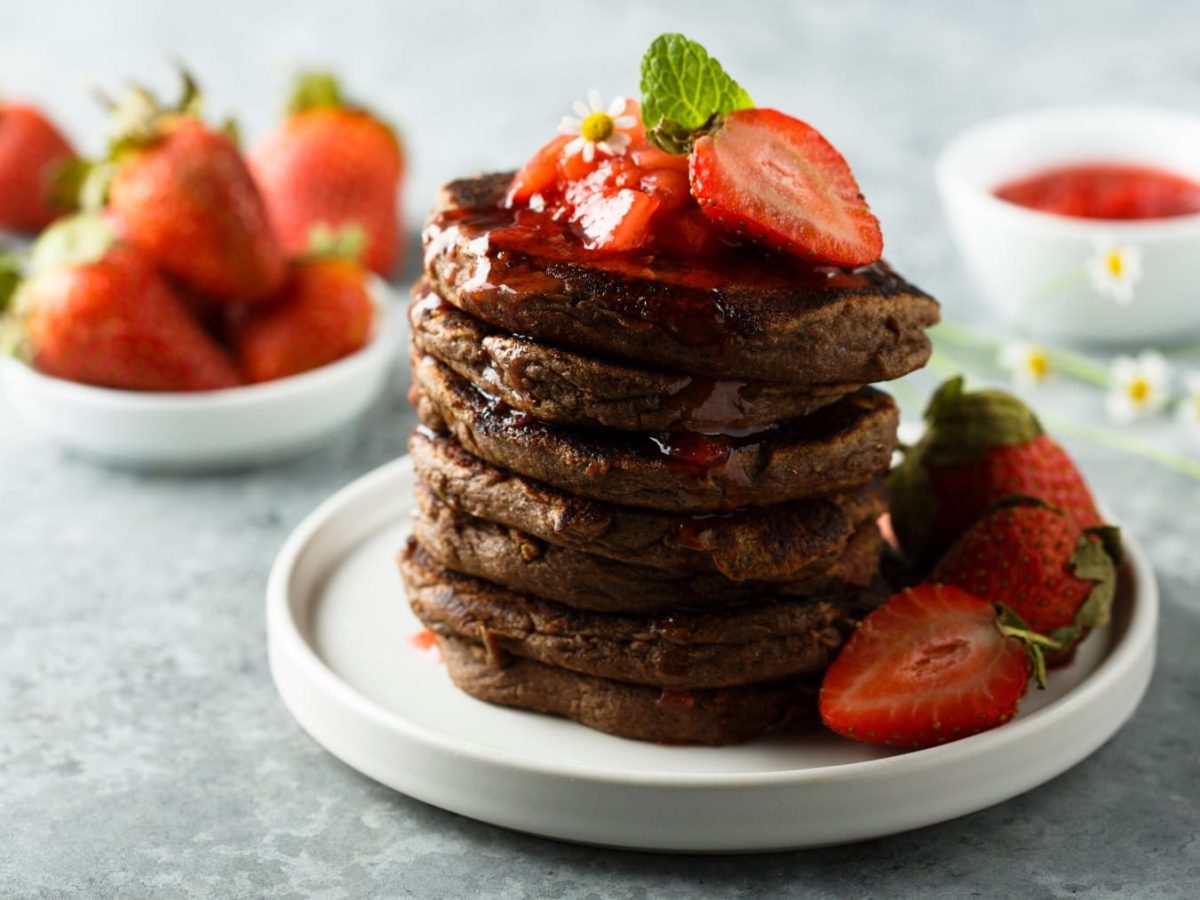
1081 225
1105 190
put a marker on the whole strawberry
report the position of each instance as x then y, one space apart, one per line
1036 560
334 165
97 312
933 664
978 447
32 149
181 192
323 313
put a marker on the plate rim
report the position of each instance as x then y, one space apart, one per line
285 635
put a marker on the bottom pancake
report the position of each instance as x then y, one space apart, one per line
740 645
723 716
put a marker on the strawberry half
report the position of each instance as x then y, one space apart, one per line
777 181
932 664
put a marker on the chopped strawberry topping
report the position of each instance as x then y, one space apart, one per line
616 222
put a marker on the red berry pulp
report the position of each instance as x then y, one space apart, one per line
1105 191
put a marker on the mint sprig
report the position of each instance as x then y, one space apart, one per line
684 91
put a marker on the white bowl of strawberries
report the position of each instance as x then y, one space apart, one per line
172 325
225 428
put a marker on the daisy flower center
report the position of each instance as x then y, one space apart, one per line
1039 365
597 127
1116 264
1139 390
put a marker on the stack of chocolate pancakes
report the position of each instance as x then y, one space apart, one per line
648 488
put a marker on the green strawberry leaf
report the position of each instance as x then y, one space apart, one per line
1012 625
347 242
683 91
76 240
10 277
1092 561
315 90
12 332
1110 537
964 424
912 502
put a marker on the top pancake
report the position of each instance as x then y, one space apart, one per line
743 314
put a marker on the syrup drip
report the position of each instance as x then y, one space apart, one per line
693 532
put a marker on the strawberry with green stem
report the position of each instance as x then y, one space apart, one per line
933 664
179 191
96 311
1034 558
978 447
32 150
335 164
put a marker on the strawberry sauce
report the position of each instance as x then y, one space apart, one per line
1105 191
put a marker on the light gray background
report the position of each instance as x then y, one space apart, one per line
143 751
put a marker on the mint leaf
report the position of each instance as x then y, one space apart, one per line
683 89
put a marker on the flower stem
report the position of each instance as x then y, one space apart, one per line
1070 363
1127 443
1079 366
943 365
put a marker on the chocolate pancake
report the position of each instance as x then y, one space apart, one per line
582 580
557 385
766 543
839 447
714 717
682 650
740 314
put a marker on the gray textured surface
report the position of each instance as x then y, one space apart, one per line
143 751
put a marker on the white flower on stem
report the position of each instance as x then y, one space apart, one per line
1028 364
596 128
1188 410
1114 270
1140 386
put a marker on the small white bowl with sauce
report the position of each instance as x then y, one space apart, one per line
210 430
1068 278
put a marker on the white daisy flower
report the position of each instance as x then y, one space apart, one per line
1115 270
1140 386
596 128
1028 364
1188 410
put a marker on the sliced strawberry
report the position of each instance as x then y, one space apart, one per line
637 131
686 232
573 167
617 221
668 186
647 156
929 666
777 181
540 173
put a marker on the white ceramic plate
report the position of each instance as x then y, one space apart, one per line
211 429
339 632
